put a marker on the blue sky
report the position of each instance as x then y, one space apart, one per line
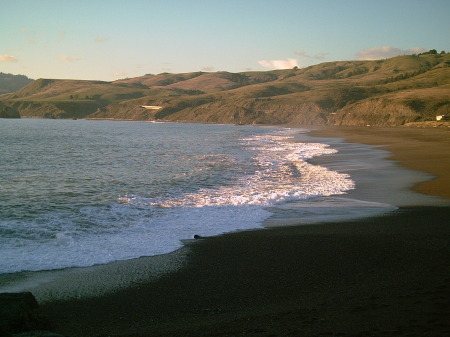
112 39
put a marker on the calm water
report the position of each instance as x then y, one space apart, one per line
80 193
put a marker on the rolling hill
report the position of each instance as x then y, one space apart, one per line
396 91
10 83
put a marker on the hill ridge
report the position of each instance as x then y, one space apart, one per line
395 91
10 83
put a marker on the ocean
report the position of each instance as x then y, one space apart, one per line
82 193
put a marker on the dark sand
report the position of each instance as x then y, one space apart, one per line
380 276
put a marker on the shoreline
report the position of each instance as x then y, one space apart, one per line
379 276
420 149
373 174
383 275
361 162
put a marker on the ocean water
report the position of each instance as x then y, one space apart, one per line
83 193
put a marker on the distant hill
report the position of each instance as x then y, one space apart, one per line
11 83
395 91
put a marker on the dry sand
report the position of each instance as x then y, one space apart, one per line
379 276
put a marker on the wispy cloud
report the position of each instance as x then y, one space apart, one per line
119 75
100 39
66 58
383 52
320 56
62 34
208 68
416 50
279 64
8 58
29 35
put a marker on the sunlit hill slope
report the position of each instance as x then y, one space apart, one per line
413 88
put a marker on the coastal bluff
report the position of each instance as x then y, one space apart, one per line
390 92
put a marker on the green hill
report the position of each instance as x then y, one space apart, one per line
396 91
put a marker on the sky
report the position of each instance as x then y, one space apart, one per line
114 39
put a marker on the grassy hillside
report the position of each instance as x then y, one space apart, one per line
396 91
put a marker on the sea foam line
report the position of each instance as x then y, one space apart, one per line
140 226
281 173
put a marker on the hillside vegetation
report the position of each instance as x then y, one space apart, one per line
396 91
11 83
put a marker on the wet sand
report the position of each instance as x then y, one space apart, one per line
423 149
380 276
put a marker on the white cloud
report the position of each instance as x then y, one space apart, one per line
66 58
386 52
279 64
8 58
208 68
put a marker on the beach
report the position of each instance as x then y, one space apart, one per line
385 275
423 149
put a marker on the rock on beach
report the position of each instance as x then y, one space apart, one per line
20 316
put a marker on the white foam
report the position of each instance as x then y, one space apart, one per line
276 172
281 174
325 209
144 236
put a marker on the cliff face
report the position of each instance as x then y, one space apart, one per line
395 91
